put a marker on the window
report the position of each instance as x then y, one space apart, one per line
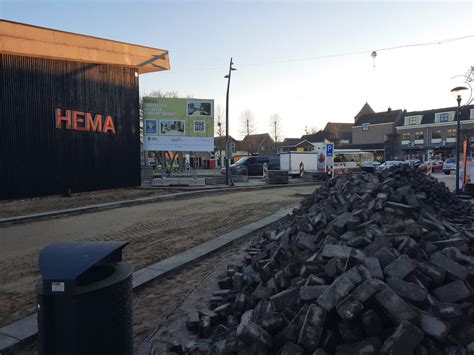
413 120
419 135
405 136
443 117
451 133
436 134
365 126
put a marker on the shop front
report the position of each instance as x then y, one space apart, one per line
69 111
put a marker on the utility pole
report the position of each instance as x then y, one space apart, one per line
228 149
275 126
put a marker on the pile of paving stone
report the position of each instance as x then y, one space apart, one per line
369 264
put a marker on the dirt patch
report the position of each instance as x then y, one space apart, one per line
154 303
12 208
154 231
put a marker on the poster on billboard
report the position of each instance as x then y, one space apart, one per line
178 124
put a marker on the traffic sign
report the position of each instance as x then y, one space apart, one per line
329 150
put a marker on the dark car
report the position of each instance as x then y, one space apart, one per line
253 165
414 163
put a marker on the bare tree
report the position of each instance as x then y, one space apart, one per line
275 126
247 121
219 120
312 130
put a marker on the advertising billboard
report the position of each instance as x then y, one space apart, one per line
178 124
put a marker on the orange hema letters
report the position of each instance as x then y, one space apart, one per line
84 121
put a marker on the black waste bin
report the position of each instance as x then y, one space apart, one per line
84 299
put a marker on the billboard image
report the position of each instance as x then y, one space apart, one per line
178 124
199 108
172 128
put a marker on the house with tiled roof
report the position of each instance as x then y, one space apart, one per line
365 110
318 137
294 145
261 144
375 132
341 132
219 146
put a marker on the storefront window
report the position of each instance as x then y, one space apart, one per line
436 134
451 133
419 135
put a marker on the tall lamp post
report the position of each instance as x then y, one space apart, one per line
457 91
228 150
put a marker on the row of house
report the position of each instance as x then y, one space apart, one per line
391 134
263 144
398 134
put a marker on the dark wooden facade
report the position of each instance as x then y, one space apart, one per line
36 158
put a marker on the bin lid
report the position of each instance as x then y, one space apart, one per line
67 261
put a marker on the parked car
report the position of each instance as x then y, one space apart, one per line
415 163
437 165
369 166
450 164
253 165
391 164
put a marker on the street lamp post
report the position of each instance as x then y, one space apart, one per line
228 150
457 93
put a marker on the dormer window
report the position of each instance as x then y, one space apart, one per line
365 126
413 120
443 117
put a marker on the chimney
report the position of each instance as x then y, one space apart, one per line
389 109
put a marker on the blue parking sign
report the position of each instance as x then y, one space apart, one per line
329 150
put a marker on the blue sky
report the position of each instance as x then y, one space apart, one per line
202 36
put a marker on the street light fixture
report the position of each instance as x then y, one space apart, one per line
228 149
457 92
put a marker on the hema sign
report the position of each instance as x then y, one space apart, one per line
84 121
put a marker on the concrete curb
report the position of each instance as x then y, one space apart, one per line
135 202
17 333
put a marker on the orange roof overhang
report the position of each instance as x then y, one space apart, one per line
22 39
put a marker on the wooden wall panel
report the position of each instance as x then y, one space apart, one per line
36 158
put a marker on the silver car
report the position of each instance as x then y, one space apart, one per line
450 164
390 164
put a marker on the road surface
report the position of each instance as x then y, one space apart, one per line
155 232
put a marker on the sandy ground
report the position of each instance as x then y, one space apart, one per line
11 208
154 231
153 304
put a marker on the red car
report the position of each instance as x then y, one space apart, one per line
437 165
